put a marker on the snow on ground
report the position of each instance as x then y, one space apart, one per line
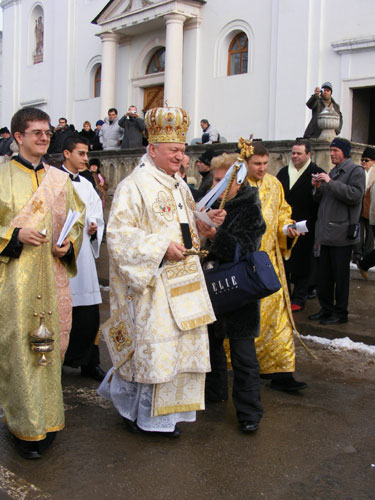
342 344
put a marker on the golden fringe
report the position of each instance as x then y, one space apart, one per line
296 332
165 410
180 290
194 323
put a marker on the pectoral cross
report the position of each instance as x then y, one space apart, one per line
37 206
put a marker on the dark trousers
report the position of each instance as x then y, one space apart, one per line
85 326
298 288
333 279
366 241
369 259
246 382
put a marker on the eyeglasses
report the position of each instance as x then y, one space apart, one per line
39 133
366 160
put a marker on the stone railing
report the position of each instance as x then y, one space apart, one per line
116 165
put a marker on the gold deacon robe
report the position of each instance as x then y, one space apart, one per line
170 301
31 395
275 344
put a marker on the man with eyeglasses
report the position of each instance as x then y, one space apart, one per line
368 211
34 286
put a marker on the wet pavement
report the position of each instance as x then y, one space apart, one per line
315 445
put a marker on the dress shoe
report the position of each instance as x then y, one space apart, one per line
46 442
363 272
322 314
312 293
296 307
94 372
249 427
27 449
131 426
333 319
288 384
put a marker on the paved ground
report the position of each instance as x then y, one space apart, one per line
317 445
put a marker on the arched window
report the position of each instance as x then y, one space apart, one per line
157 62
97 80
238 54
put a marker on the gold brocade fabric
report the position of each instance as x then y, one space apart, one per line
142 223
275 344
31 395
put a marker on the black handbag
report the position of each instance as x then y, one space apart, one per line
232 285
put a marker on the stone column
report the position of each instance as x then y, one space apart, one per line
173 59
108 80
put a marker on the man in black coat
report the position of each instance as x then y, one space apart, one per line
296 181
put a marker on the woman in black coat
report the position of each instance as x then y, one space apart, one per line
243 225
88 133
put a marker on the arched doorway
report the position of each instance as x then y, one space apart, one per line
154 95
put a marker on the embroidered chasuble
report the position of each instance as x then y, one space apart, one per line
169 300
275 344
31 395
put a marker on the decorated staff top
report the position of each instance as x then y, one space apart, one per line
167 125
238 170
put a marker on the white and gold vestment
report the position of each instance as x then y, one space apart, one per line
169 299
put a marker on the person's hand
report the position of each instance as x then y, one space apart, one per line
175 251
92 228
61 251
317 179
217 216
30 236
292 232
206 230
317 91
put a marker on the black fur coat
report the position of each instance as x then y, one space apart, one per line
244 224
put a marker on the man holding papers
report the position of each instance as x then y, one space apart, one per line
296 181
82 351
35 313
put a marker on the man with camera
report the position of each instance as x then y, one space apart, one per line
340 199
134 128
321 99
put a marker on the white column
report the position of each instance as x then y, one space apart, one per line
173 59
108 80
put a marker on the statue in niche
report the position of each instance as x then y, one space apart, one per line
39 32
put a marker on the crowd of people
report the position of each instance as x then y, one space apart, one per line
171 350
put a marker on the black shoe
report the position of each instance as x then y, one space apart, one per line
333 319
46 442
94 372
131 426
249 427
322 314
27 449
364 272
312 294
288 384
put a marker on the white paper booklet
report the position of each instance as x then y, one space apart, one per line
69 223
204 218
299 226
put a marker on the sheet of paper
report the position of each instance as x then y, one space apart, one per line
204 218
69 223
299 226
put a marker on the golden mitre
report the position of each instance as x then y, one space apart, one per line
167 125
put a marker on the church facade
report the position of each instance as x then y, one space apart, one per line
248 66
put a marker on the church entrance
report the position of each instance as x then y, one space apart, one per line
153 97
363 118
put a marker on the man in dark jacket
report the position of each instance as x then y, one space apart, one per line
134 128
5 143
204 167
340 194
61 132
321 99
296 181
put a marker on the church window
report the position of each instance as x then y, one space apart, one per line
238 54
97 80
156 63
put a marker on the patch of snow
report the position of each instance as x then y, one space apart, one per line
344 343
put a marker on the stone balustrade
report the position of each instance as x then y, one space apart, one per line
116 165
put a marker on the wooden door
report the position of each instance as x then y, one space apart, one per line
153 97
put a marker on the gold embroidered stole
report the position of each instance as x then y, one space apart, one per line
50 195
183 281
